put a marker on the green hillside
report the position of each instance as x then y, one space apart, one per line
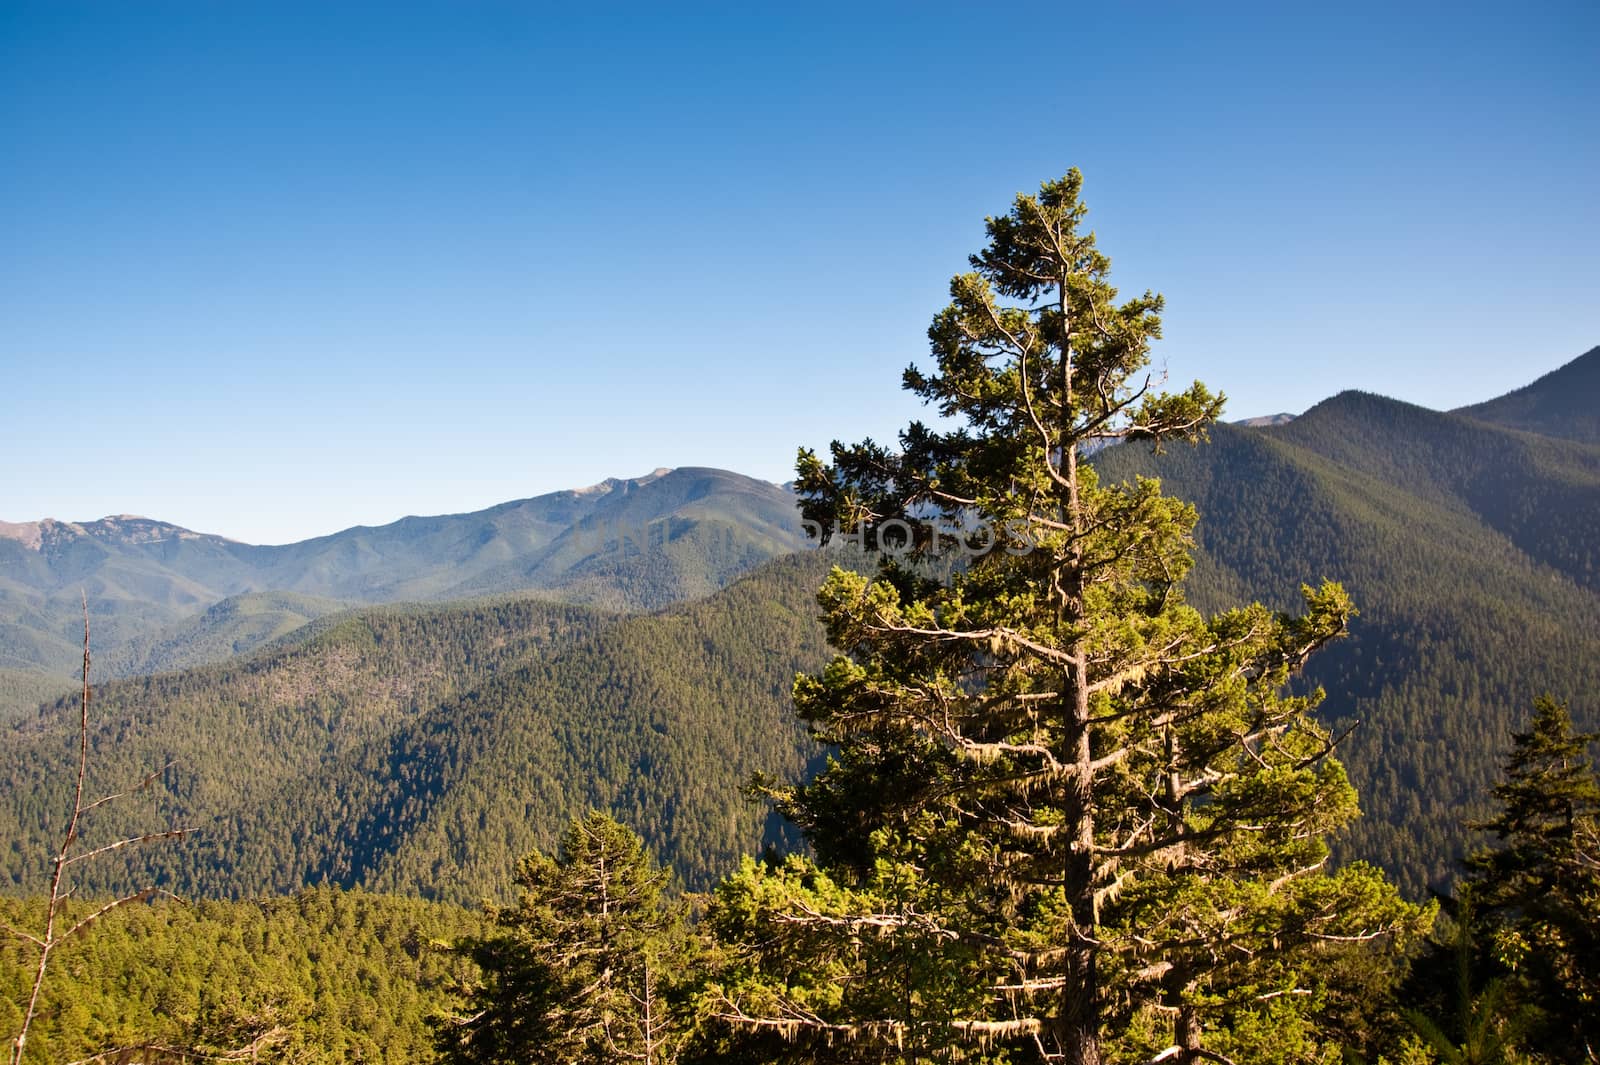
22 690
235 732
423 751
235 626
1472 555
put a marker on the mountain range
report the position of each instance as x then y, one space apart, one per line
164 597
421 748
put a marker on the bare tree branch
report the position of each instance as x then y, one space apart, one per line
61 892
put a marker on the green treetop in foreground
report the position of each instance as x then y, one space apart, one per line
588 966
1069 818
1537 893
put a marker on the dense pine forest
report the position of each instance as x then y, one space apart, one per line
1133 736
424 750
319 975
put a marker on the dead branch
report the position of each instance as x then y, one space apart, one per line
60 893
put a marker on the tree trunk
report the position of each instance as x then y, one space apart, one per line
1080 1006
1187 1033
1080 1010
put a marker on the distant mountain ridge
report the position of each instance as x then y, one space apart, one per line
1265 420
49 535
627 543
1561 403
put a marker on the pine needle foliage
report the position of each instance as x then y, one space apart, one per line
1087 809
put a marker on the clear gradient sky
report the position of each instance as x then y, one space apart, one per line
273 269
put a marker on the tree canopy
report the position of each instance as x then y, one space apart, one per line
588 966
1080 805
1536 892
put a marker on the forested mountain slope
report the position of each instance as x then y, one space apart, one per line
22 690
235 626
1473 554
235 732
633 544
1564 403
424 751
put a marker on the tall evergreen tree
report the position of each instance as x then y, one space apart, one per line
1076 800
586 967
1537 893
1469 1020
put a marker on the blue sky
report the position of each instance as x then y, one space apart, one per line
270 270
